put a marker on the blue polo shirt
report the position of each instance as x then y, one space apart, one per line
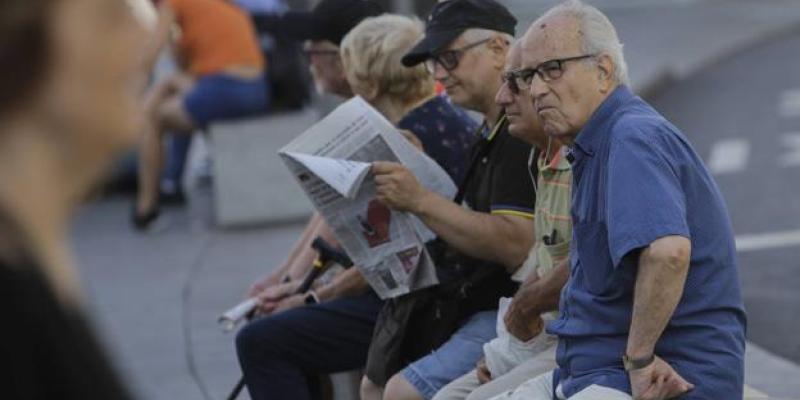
636 179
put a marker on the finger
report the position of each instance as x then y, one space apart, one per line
383 167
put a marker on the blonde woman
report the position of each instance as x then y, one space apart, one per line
69 84
406 95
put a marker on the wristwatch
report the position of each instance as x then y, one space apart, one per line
632 364
311 298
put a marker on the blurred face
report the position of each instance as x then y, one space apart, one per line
92 91
515 99
326 68
565 103
472 84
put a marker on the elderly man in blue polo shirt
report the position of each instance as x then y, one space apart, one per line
652 308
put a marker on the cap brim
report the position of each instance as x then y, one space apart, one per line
429 45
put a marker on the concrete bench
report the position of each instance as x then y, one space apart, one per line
251 184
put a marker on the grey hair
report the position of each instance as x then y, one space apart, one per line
473 35
599 35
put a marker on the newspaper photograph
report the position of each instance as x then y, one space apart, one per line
331 161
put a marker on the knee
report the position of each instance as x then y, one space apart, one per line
369 390
256 339
398 388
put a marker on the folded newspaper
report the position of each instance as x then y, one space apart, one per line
332 160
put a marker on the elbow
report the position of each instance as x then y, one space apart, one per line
674 252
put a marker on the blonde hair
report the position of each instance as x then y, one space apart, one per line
371 54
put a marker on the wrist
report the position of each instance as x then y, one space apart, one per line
421 206
637 363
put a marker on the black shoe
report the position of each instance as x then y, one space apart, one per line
175 198
142 222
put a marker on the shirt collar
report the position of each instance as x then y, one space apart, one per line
591 134
484 128
558 161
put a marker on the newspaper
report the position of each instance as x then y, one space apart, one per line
332 161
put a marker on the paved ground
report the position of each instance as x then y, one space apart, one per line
741 116
138 285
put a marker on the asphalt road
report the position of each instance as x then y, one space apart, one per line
743 116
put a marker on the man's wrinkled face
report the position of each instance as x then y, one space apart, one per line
522 119
566 103
326 68
466 84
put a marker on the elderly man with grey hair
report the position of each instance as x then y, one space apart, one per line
652 308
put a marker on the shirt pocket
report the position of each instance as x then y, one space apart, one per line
595 262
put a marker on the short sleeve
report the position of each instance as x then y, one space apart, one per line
513 192
644 196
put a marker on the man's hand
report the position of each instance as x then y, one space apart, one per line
522 318
483 371
261 285
291 302
397 187
270 298
657 381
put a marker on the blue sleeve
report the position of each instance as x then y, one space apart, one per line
644 197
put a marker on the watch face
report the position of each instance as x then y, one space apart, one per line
310 299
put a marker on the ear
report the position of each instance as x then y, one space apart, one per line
605 73
499 48
370 90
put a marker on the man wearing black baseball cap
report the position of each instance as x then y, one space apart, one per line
465 48
323 28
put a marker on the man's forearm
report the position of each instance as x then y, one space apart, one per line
500 238
548 289
661 275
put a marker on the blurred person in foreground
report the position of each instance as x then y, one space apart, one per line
70 80
223 77
329 328
522 349
653 306
428 338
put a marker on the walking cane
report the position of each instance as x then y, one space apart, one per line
327 255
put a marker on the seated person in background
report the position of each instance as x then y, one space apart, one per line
226 79
329 328
68 105
523 350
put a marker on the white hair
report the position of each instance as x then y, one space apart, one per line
473 35
599 35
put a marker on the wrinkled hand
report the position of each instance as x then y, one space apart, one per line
411 137
657 381
291 302
270 298
522 319
483 371
261 285
397 187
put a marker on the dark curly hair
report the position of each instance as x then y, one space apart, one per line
24 49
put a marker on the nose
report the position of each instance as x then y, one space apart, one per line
504 96
539 88
439 73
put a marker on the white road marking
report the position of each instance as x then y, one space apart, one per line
771 240
790 104
730 155
792 142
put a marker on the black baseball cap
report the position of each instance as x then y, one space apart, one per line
451 18
328 20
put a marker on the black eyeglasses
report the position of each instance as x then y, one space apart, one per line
449 59
514 82
548 70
